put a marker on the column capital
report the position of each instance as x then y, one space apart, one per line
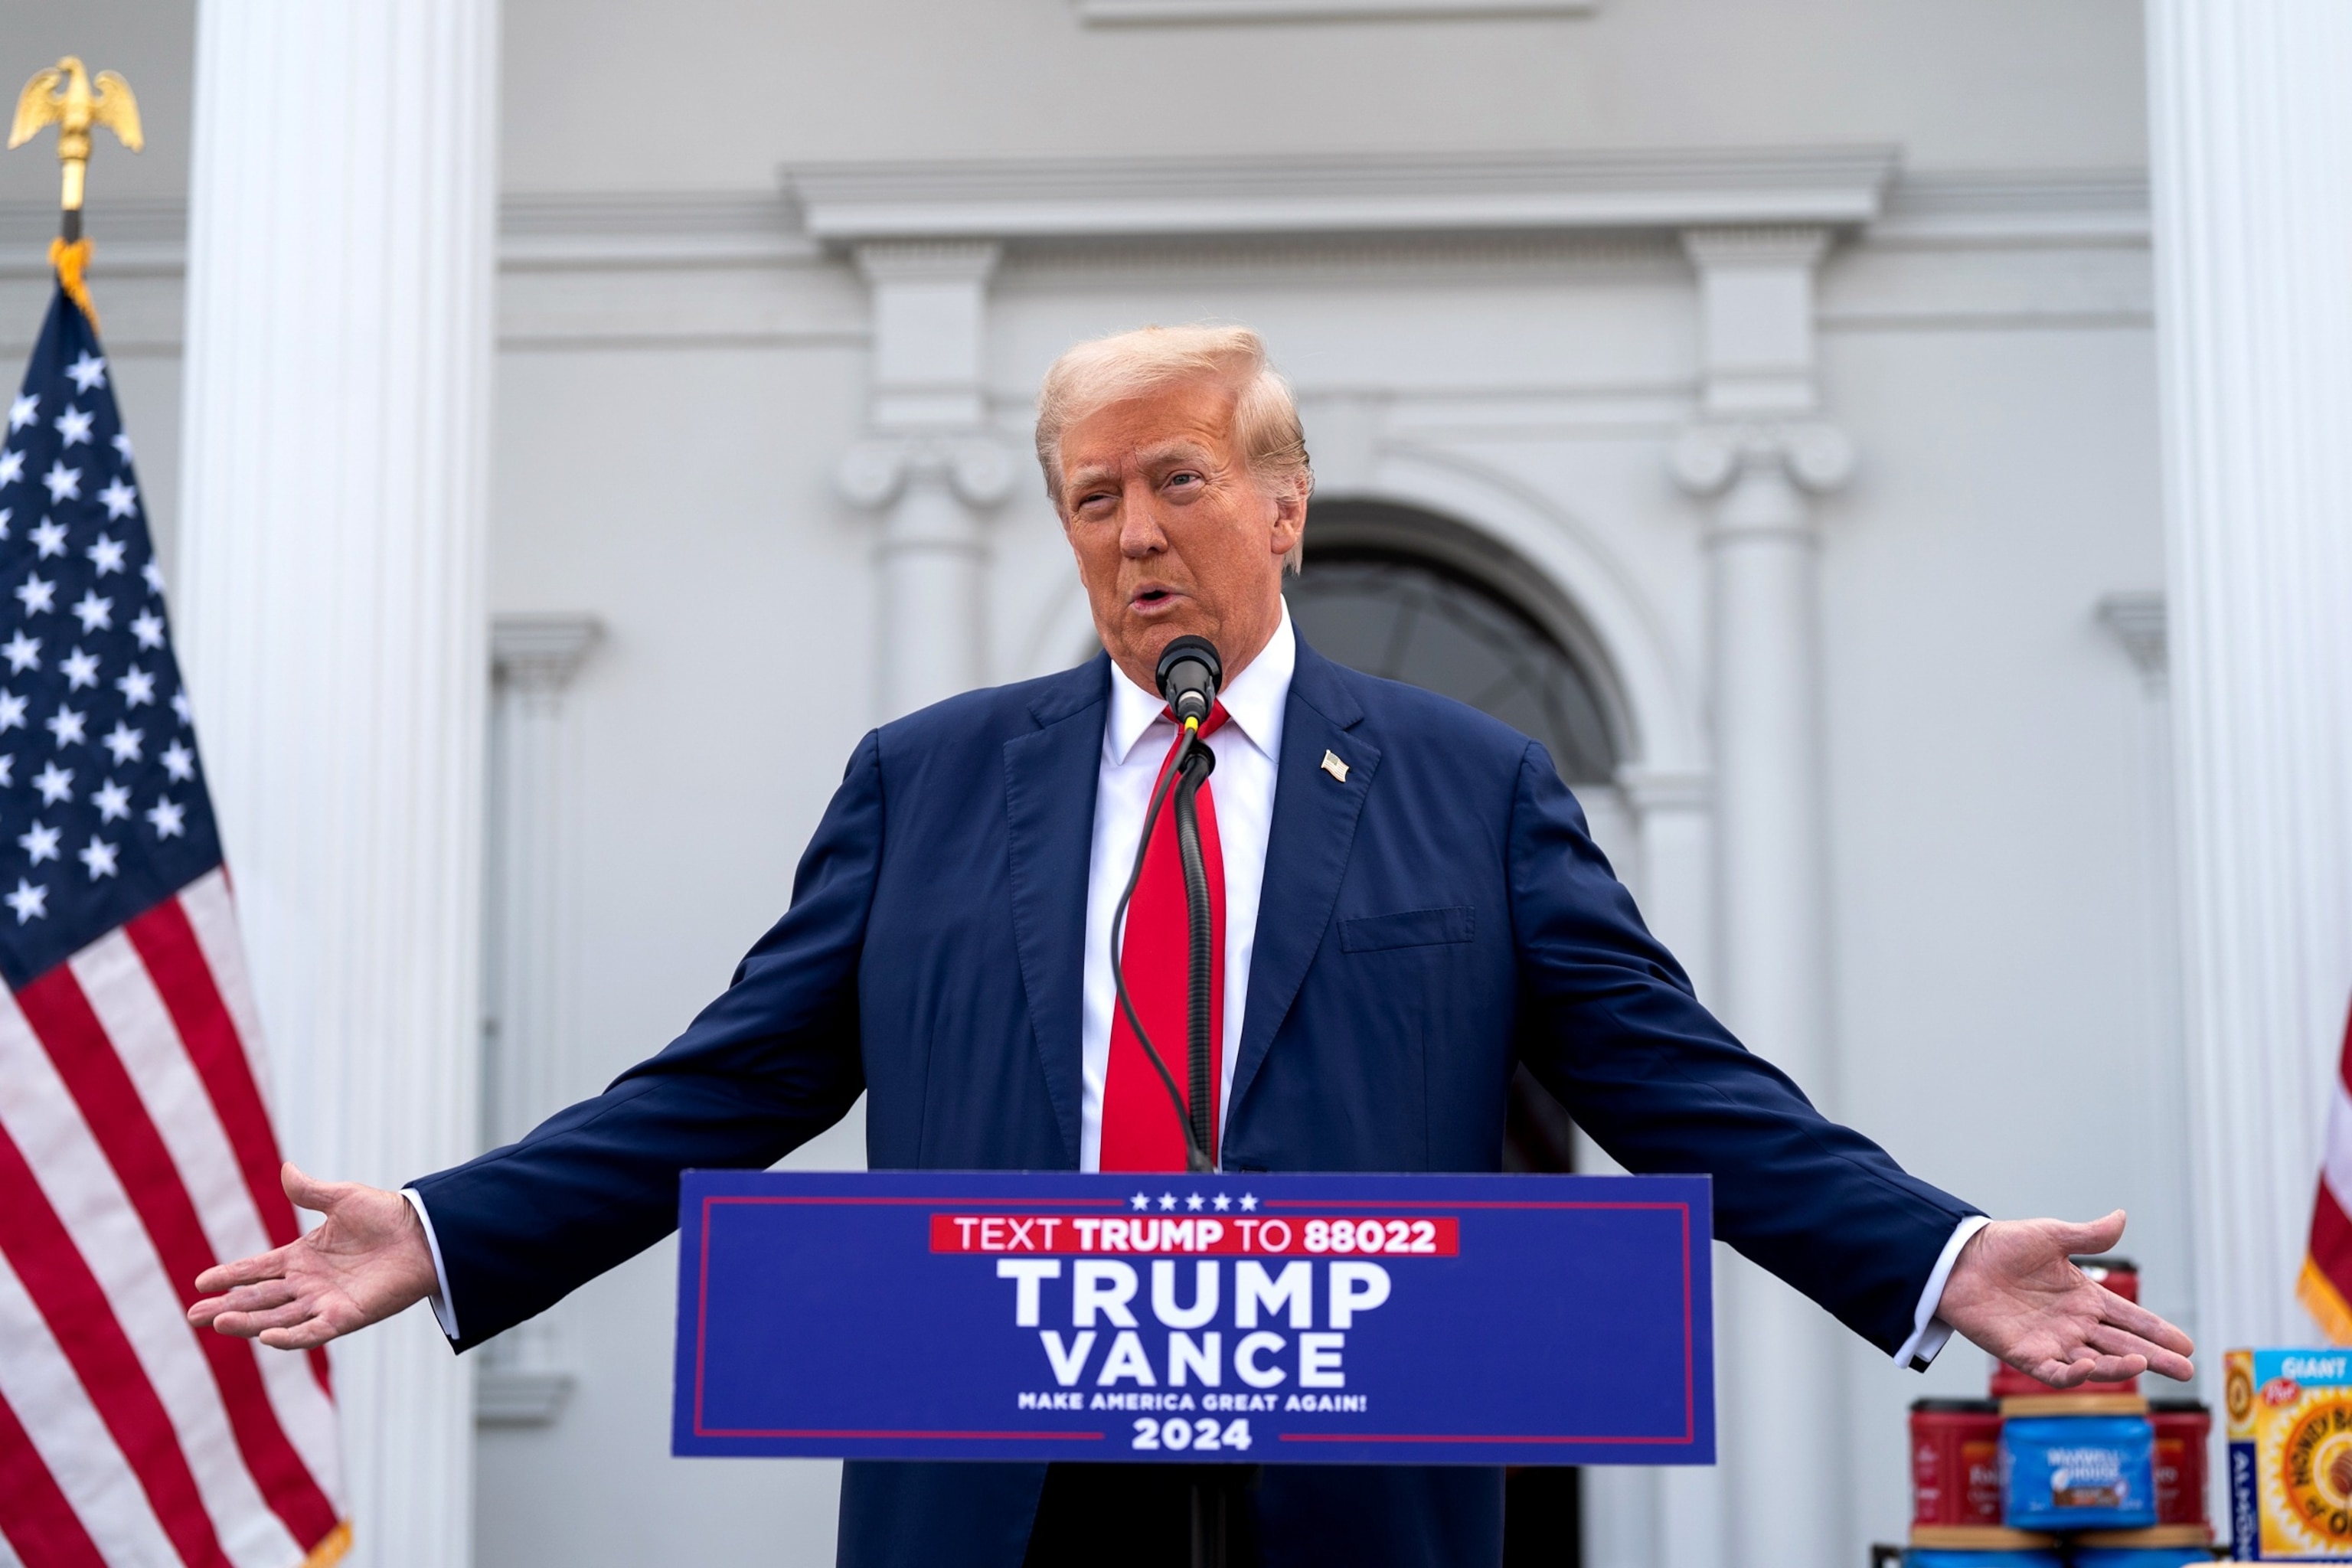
1756 245
1711 455
1653 790
930 261
540 653
978 467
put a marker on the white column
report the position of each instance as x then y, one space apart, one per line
527 981
339 264
931 461
2250 139
1757 448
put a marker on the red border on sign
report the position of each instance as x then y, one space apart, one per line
702 1323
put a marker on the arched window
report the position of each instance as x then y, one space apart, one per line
1409 595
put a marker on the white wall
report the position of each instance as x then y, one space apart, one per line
677 382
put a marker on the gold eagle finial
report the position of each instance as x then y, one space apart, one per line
65 95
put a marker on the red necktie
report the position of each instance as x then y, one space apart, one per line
1141 1127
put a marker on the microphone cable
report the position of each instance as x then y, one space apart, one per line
1196 1151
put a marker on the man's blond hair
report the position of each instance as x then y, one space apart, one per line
1102 371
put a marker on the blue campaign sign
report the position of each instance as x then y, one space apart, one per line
1252 1319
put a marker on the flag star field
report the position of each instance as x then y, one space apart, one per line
102 806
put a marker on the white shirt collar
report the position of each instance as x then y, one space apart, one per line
1252 703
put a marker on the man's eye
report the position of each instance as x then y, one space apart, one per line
1186 477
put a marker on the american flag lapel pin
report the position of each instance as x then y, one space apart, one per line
1334 766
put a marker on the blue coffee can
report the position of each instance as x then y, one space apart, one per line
2086 1471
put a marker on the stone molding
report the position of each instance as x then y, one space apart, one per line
1134 13
1058 197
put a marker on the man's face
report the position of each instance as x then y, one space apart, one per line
1173 534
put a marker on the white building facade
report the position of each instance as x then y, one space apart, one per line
1790 374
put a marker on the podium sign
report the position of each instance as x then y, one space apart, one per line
1249 1318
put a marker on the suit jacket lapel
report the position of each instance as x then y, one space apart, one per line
1050 776
1314 817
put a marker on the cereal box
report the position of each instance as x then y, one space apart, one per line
2290 1436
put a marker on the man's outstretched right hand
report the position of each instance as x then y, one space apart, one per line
367 1261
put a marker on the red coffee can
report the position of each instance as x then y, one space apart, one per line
2120 1274
1955 1462
2182 1428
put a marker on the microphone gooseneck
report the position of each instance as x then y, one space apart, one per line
1188 674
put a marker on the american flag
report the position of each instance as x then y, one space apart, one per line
2326 1284
135 1141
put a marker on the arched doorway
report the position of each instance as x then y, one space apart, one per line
1410 595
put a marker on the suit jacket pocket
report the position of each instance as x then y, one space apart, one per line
1408 928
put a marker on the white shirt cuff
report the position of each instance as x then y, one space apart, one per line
446 1314
1928 1331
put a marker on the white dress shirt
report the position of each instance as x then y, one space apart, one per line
1136 738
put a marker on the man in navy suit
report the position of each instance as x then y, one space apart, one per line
1407 906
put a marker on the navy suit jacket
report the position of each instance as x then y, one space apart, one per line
1426 923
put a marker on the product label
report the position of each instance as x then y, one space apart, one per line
2290 1414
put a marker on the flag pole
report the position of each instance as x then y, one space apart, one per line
65 95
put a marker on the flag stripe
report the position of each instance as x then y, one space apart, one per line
99 1217
168 946
36 1520
2331 1237
69 1437
211 907
124 1003
68 1300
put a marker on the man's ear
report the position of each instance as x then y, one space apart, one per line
1289 516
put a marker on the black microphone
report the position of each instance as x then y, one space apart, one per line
1190 673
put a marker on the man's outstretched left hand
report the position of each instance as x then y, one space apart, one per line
2014 1291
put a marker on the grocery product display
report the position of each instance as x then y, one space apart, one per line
2095 1476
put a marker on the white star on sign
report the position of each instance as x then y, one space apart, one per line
21 412
124 742
169 817
87 371
30 903
1193 1202
12 468
99 857
138 687
66 724
1168 1200
179 762
180 705
96 614
6 513
41 842
54 784
119 498
106 554
73 425
49 539
149 630
81 669
1249 1202
154 575
7 771
38 594
1220 1203
12 711
24 652
1140 1203
65 484
113 801
122 444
